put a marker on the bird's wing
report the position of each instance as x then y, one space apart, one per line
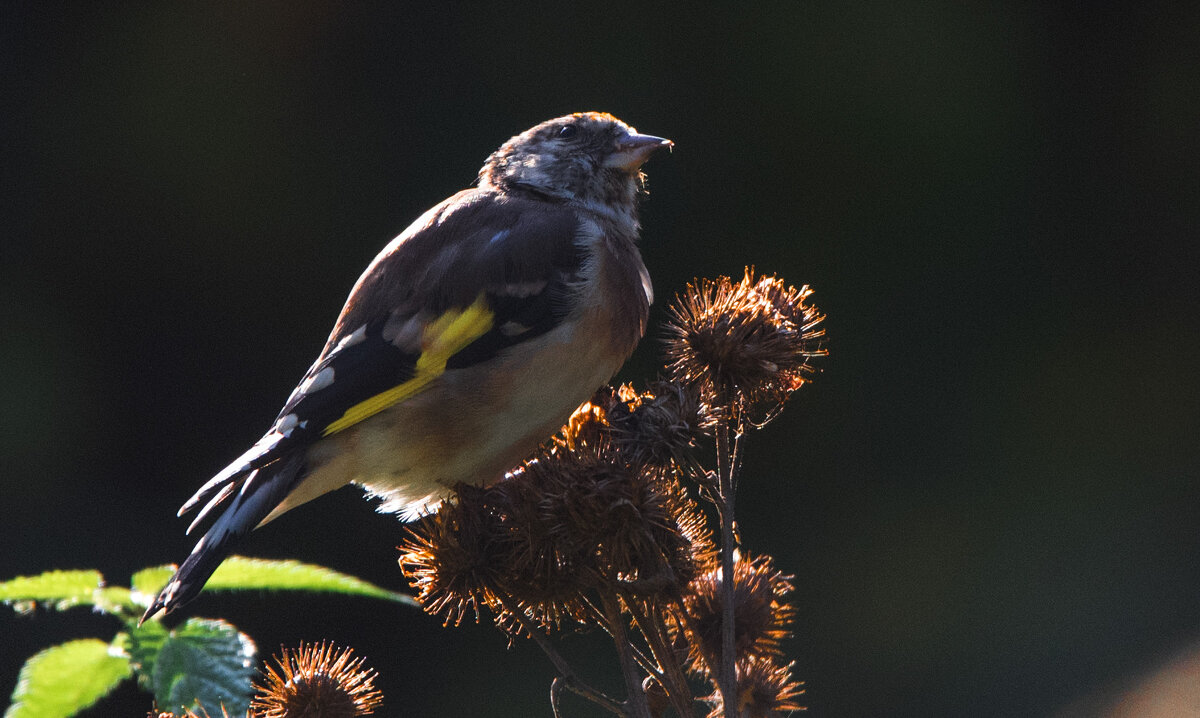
475 275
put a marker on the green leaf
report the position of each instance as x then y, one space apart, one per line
113 599
144 643
242 573
206 662
62 589
65 679
148 582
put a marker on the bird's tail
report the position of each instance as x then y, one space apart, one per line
260 492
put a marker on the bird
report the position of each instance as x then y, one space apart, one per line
466 343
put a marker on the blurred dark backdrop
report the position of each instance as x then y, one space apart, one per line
989 498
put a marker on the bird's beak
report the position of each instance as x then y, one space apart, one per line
634 149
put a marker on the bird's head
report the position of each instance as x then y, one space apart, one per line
591 157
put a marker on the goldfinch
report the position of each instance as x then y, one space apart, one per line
468 341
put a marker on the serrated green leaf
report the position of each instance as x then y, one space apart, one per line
241 573
143 644
206 662
63 680
113 599
149 581
60 589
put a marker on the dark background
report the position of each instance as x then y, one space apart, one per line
989 498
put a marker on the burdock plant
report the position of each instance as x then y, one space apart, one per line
316 681
605 526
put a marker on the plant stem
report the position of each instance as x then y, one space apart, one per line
636 702
672 676
556 687
569 679
727 671
601 619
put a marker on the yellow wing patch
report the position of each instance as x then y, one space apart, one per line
440 339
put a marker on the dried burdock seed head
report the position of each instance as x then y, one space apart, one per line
594 504
603 512
745 346
764 690
589 423
456 558
686 542
545 576
661 426
761 616
316 681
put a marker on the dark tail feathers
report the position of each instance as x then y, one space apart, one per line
262 491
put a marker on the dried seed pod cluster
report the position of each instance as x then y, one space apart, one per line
593 511
603 526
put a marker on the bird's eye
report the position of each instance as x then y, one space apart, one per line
568 131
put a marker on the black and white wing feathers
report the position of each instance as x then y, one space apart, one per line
518 256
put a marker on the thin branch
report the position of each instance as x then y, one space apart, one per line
570 679
636 702
735 465
727 672
556 687
601 619
671 675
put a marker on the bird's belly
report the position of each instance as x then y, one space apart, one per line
474 424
